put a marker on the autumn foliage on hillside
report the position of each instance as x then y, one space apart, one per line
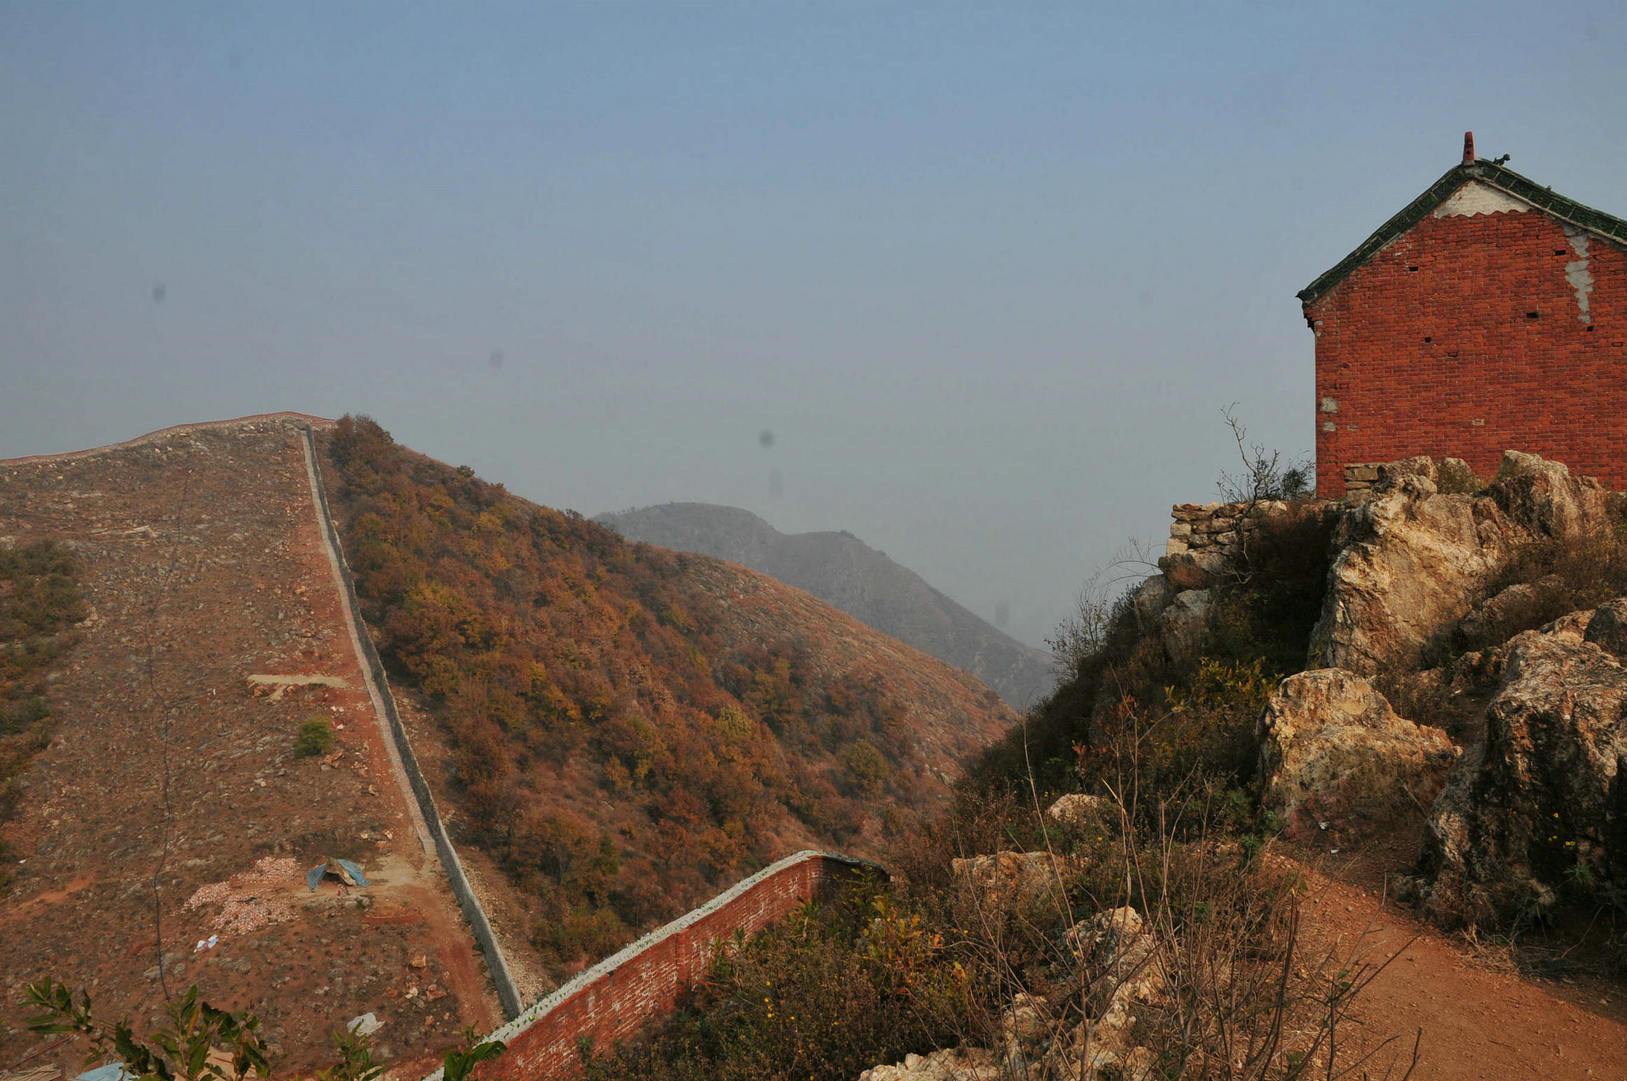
613 751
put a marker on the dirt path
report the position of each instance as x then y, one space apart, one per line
1478 1022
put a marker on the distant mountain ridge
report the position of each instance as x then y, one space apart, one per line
842 570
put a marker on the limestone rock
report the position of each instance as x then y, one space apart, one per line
1078 811
1455 476
1413 562
1120 953
1012 880
1183 624
1607 628
953 1064
1332 749
1024 1028
1193 570
1421 465
1410 564
1541 802
1509 607
1546 498
1150 599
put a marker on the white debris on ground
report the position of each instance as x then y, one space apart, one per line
250 899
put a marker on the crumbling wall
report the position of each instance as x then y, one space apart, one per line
1205 539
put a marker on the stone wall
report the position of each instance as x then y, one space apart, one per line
1204 538
615 999
1217 527
1359 480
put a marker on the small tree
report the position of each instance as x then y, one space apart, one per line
180 1051
200 1042
1265 475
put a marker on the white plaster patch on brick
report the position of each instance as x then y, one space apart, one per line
1329 426
1578 272
1330 405
1478 198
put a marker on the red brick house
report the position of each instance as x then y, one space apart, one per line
1489 314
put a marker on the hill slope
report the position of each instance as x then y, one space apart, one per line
844 571
620 729
169 783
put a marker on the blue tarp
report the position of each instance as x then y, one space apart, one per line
113 1071
313 879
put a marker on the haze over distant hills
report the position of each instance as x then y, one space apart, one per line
839 568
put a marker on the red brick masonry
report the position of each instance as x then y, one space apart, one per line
615 999
1466 336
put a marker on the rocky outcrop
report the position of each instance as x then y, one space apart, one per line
1333 751
952 1064
1183 625
1607 628
1544 497
1115 963
1543 803
1512 606
1078 811
1012 881
1149 599
1414 561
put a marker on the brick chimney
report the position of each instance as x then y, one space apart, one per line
1468 148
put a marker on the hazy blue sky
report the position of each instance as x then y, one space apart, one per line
988 273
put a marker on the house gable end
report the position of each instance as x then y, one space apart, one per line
1479 187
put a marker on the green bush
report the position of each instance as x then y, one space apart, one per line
315 738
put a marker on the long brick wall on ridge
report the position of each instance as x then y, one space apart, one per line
496 964
615 999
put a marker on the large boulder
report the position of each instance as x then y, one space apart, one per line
1490 621
1542 804
1150 598
1194 570
1332 750
1184 623
1012 881
1607 628
1082 813
1413 562
1544 497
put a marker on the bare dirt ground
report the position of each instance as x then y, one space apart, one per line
1481 1019
171 770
